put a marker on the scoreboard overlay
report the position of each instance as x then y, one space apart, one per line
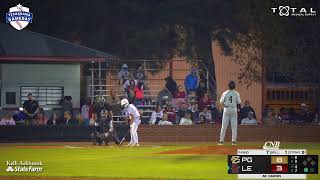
272 164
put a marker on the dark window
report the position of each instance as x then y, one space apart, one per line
268 95
282 95
44 95
10 97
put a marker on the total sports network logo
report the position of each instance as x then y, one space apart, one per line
19 17
24 166
293 11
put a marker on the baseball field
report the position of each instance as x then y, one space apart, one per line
83 161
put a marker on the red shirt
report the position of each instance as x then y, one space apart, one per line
203 103
180 94
138 93
171 115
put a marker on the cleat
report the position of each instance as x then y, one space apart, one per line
220 143
234 143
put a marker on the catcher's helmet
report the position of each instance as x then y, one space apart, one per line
232 85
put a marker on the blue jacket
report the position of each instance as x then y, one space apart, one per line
191 82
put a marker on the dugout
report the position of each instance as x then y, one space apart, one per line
49 68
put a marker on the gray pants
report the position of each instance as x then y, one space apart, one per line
229 114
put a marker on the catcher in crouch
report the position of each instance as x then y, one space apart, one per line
103 127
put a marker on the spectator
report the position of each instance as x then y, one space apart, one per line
80 119
54 119
171 85
164 97
201 89
180 93
85 113
139 94
186 120
205 116
156 115
205 101
140 74
191 81
250 120
114 101
123 74
305 115
171 112
164 120
244 111
7 120
41 118
266 111
69 120
67 104
93 119
270 118
31 109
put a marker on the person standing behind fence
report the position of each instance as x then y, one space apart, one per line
230 99
31 109
123 74
191 81
85 113
140 73
171 85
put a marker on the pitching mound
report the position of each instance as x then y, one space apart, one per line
209 150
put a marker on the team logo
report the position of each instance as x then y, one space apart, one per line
235 159
10 169
19 17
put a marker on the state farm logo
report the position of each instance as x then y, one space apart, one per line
293 11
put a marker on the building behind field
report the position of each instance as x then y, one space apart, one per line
47 67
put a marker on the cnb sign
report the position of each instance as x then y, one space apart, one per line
293 11
271 145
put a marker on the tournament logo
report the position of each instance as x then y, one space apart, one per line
19 17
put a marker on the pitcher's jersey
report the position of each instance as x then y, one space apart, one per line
230 98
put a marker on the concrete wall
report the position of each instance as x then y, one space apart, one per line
16 75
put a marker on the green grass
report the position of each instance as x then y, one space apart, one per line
124 162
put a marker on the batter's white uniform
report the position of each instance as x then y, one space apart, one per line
131 109
229 100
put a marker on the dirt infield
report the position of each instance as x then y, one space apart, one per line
209 150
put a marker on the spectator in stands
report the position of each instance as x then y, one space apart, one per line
41 118
123 74
164 97
191 81
93 119
54 119
250 120
164 120
114 101
316 117
205 101
69 120
186 120
171 113
201 89
180 93
140 74
156 115
31 109
244 111
80 119
205 116
139 94
67 104
85 113
306 115
7 120
171 85
266 111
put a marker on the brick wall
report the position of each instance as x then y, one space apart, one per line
210 133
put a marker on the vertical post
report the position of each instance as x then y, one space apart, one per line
170 68
92 81
100 87
207 70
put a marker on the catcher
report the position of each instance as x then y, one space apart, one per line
103 127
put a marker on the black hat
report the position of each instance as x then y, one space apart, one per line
232 85
29 94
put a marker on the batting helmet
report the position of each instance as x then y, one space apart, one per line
124 102
232 85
